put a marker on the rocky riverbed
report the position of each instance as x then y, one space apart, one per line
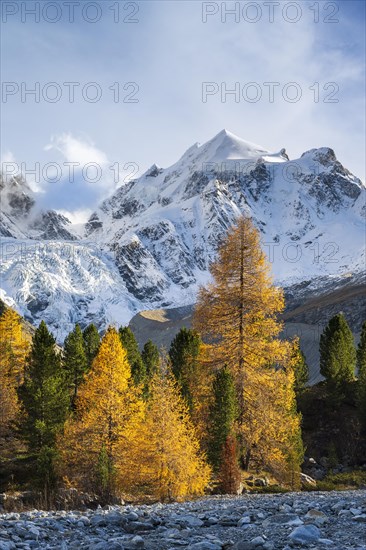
335 520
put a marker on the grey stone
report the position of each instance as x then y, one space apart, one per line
307 480
316 516
204 545
305 534
245 520
338 506
257 542
138 526
360 519
190 521
21 531
244 546
114 518
137 542
289 519
99 546
34 533
99 521
286 508
212 520
229 521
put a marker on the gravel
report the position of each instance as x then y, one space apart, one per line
335 520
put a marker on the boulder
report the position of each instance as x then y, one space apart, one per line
306 481
261 482
317 517
305 534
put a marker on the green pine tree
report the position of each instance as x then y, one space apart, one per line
222 416
337 353
45 403
74 361
361 351
295 453
183 354
361 369
301 371
130 344
91 343
150 357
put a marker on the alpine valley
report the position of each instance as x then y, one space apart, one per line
149 246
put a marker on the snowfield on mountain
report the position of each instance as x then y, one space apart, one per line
150 244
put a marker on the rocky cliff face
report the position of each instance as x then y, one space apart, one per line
150 244
20 218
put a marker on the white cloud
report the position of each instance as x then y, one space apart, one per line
78 178
7 156
77 150
169 53
77 217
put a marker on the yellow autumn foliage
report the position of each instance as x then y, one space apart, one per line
95 447
237 316
115 443
13 350
170 463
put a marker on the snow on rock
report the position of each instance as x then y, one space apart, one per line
151 243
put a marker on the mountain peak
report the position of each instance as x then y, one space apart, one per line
226 133
228 148
234 147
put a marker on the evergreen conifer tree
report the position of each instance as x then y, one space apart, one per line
301 370
223 413
337 353
130 344
91 343
150 357
183 354
45 403
74 361
361 351
361 367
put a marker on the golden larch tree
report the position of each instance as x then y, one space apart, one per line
14 346
171 465
95 447
237 316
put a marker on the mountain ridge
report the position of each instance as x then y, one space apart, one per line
149 245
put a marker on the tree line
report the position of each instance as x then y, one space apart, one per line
101 416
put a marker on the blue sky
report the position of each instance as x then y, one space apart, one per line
169 52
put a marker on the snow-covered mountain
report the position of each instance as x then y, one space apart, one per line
150 244
21 218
